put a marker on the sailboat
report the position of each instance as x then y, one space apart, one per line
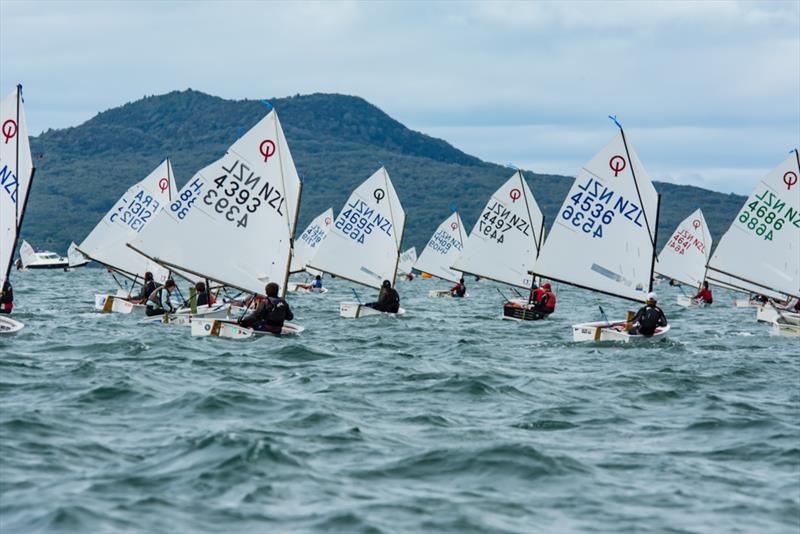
306 247
505 242
40 260
760 252
128 217
604 237
75 258
684 257
364 244
444 246
16 177
234 220
406 264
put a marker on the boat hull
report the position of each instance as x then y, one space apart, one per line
601 331
106 303
296 288
521 311
354 310
443 294
9 325
184 316
204 327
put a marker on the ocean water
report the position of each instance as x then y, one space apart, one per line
445 420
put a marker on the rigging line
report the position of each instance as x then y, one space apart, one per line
636 183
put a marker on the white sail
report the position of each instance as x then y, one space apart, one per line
686 254
762 245
308 243
363 245
444 246
234 219
407 260
604 235
75 257
26 254
505 241
136 209
735 284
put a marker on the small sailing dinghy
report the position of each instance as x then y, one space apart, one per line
16 176
760 252
128 217
604 238
364 244
40 260
306 247
443 248
406 265
684 257
505 243
249 196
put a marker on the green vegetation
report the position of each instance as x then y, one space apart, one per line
337 141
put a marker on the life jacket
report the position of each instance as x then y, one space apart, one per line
649 320
389 300
550 302
460 290
8 295
537 294
275 311
154 300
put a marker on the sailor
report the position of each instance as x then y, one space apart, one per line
648 318
410 276
204 297
315 286
148 287
705 294
270 314
388 299
158 302
6 298
547 302
459 290
537 292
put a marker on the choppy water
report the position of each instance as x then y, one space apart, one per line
446 420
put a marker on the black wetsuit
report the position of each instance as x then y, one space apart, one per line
388 301
154 304
202 298
147 288
646 320
269 316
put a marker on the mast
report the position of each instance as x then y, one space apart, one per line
658 213
290 225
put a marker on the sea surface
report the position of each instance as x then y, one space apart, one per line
445 420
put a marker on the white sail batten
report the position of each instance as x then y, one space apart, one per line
505 241
444 246
603 238
306 246
16 176
762 246
135 210
364 243
407 260
686 253
235 218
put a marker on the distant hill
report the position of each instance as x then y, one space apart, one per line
337 141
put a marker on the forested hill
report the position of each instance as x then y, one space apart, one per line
337 141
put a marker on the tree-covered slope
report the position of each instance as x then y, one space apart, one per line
337 141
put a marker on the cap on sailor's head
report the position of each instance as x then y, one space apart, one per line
652 296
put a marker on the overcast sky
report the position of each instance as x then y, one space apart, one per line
708 92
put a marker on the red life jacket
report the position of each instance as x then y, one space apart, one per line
537 294
550 305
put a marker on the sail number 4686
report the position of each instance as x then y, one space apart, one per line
759 218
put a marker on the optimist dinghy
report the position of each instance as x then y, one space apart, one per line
16 170
364 244
233 330
617 332
760 252
604 238
505 242
250 195
442 250
685 256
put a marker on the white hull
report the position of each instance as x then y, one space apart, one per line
117 305
9 325
790 328
296 288
601 331
688 302
48 264
185 317
443 294
770 314
354 310
230 329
